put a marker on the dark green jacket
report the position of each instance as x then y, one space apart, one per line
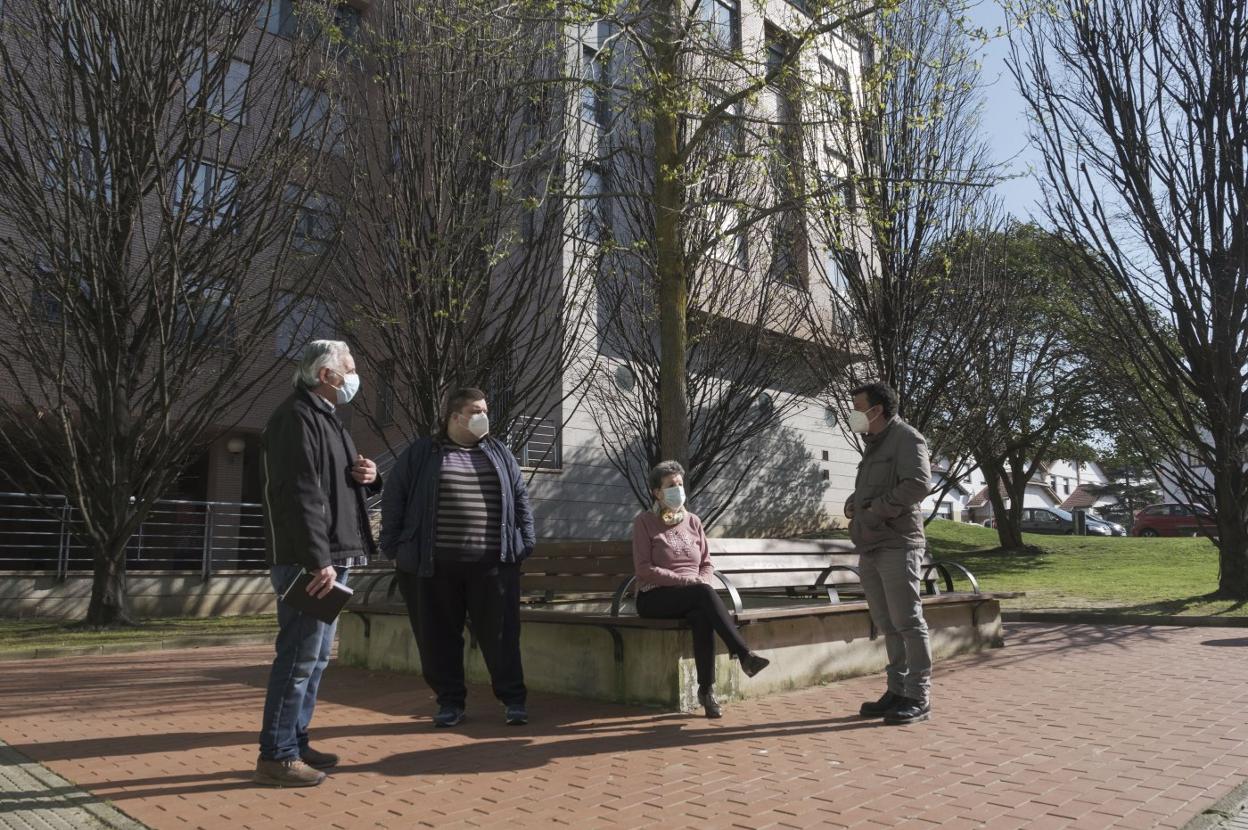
893 479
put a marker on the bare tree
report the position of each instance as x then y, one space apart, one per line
460 265
1139 110
902 216
151 154
683 73
743 369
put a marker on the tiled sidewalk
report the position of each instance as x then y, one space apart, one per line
1065 727
35 798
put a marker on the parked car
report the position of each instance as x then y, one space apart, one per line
1172 519
1057 520
1115 529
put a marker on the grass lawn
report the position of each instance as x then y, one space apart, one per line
1125 575
24 636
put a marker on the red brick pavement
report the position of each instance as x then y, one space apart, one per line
1067 727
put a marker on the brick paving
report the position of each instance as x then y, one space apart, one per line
1067 727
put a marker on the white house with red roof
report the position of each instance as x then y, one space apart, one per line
1065 484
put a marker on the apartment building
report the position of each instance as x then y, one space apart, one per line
796 475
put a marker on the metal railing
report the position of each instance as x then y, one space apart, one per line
42 534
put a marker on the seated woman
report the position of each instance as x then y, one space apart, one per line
673 565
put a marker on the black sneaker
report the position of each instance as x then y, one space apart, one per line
516 714
881 707
448 716
909 711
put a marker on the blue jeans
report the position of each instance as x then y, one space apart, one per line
303 646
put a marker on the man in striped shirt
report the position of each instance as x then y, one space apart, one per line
456 518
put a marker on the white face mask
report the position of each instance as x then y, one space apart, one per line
350 385
858 421
479 424
674 497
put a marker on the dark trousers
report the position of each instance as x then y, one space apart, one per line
487 594
707 616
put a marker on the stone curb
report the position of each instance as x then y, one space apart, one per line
193 641
1111 618
1226 807
101 811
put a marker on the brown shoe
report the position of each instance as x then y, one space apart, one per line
291 772
318 760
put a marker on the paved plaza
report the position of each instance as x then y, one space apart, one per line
1068 726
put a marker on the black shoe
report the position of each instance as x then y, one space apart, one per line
752 664
706 697
516 714
881 707
909 711
448 716
318 760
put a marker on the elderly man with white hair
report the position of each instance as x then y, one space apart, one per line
315 520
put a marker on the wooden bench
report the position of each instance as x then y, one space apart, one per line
794 595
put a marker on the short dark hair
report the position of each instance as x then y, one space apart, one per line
879 394
661 471
460 398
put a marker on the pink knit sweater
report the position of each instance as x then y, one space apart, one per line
676 555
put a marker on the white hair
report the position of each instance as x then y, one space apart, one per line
318 355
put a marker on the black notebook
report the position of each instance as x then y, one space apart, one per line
324 608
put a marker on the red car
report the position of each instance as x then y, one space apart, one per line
1173 520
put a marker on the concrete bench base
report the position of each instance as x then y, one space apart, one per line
654 666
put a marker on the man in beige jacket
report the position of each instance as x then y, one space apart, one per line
886 525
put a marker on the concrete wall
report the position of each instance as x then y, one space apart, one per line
657 666
151 595
589 499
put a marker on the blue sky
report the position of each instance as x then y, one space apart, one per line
1005 118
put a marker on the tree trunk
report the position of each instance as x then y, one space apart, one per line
669 261
1232 535
108 587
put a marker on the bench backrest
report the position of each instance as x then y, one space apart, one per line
599 567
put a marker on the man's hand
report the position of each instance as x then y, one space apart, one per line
364 470
322 581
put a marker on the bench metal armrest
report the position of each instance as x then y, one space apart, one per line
943 569
822 581
628 585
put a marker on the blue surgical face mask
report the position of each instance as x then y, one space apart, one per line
350 385
674 497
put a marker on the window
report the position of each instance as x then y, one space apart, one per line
1044 517
945 511
204 314
541 449
316 221
593 217
726 142
303 319
593 88
789 251
52 290
278 17
77 163
315 120
1066 486
226 100
206 191
722 21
